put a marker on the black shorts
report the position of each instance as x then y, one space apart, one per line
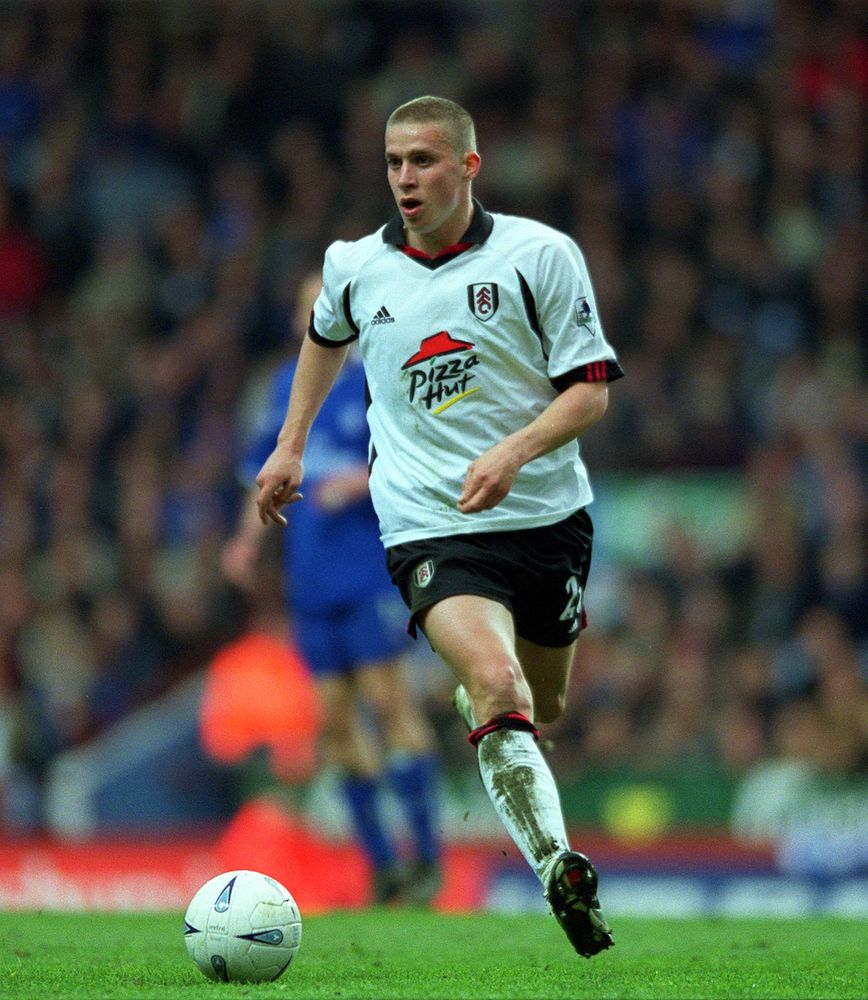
540 574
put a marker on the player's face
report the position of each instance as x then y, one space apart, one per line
430 184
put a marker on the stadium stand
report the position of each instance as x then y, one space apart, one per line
169 171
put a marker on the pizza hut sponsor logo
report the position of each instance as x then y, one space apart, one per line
441 372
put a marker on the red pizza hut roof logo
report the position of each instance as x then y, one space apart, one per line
436 346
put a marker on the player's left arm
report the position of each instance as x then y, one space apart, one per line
580 361
490 477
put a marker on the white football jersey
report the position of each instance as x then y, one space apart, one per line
459 351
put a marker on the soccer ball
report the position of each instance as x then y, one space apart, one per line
242 927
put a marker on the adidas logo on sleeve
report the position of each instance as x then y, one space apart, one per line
382 315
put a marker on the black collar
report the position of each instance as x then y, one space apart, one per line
477 232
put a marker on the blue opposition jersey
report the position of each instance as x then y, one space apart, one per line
330 555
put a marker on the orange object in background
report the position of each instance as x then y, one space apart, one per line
326 875
265 837
259 692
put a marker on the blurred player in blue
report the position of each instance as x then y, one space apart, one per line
348 621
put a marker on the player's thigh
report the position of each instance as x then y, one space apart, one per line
336 698
547 671
345 739
383 685
385 689
459 592
475 636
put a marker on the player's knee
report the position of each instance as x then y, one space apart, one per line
549 707
500 687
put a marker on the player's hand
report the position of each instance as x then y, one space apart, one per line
278 482
489 478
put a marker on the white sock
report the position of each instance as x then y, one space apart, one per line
524 795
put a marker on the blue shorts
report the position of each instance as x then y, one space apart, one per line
340 638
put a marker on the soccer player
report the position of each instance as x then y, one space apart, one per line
485 362
349 624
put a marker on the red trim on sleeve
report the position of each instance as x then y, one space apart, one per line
593 371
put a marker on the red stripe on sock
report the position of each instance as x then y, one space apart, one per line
508 720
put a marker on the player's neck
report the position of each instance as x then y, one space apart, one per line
445 236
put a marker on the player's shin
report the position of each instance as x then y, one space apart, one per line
521 788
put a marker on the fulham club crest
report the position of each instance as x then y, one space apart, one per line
483 300
423 573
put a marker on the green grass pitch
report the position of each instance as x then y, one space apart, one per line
385 954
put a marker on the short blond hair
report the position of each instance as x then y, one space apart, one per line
455 121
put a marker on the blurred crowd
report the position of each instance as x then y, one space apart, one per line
168 173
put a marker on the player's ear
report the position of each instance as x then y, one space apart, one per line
472 163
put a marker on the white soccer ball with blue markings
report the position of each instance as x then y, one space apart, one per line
242 927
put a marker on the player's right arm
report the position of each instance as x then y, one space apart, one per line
281 475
